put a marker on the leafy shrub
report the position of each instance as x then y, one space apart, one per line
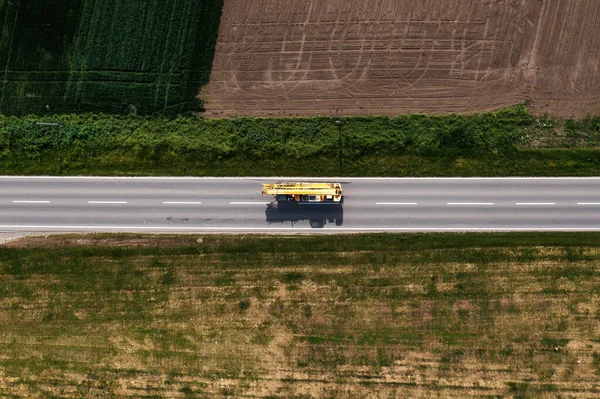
130 144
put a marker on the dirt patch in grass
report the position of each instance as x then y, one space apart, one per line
100 240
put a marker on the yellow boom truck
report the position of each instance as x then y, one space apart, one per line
315 202
305 193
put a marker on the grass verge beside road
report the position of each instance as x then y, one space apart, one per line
462 315
509 142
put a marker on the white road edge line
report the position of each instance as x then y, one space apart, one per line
249 203
396 203
470 203
107 202
304 178
182 202
535 203
30 202
246 229
588 203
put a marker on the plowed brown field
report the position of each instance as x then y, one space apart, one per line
359 57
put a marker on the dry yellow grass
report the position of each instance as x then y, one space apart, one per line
262 317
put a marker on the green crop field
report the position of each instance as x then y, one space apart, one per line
350 316
105 55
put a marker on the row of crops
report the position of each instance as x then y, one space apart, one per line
105 55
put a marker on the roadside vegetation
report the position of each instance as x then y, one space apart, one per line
419 315
508 142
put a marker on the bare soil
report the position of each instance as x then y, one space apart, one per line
356 57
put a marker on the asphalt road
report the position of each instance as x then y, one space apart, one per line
65 204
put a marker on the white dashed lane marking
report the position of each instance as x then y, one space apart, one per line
182 203
107 202
249 203
397 203
535 203
472 203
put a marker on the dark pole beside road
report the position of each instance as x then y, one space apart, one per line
56 140
339 123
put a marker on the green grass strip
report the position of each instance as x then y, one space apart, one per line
508 142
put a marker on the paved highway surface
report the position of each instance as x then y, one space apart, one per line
64 204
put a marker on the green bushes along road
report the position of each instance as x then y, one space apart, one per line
506 142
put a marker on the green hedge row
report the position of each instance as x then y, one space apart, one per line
408 145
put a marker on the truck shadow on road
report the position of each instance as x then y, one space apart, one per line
317 214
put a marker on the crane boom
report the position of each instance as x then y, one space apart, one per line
303 192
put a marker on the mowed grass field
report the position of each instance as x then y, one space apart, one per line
431 315
108 55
